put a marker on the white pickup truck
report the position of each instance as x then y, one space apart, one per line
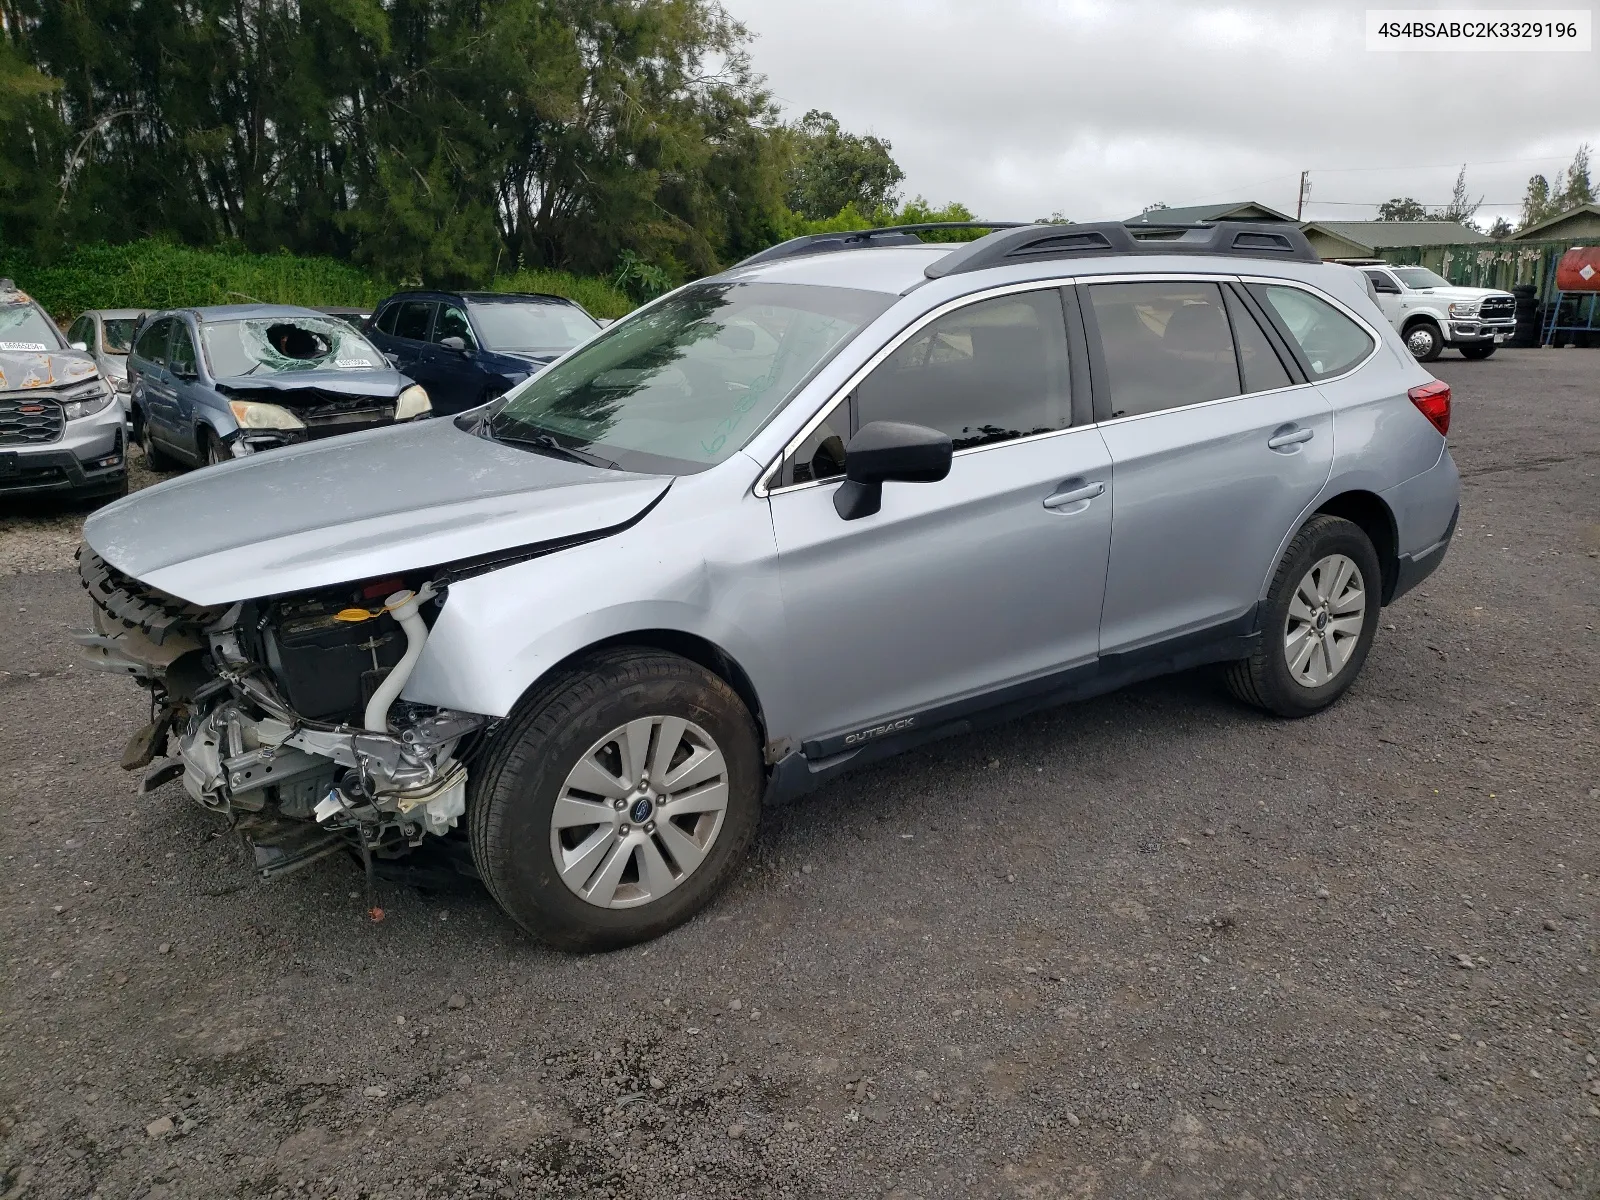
1431 313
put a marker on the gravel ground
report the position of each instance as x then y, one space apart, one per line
1150 945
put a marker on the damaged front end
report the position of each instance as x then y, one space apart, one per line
286 714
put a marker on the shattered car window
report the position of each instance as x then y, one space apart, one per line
24 328
273 345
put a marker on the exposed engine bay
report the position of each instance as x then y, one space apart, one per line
285 712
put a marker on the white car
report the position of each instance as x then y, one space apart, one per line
1429 312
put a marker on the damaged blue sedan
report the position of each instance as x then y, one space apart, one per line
213 384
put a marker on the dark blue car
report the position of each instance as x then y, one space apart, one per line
210 384
467 348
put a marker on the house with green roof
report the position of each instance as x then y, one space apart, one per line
1235 210
1577 225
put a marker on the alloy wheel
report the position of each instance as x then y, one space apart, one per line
1326 614
639 812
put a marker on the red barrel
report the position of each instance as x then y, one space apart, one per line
1579 270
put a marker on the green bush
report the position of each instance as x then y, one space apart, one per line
596 295
157 274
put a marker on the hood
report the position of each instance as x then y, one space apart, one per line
1448 294
362 381
368 504
114 366
24 367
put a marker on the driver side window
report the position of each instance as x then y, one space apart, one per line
181 359
453 322
990 372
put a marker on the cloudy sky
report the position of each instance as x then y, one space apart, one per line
1023 108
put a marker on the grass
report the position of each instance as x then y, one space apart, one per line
157 274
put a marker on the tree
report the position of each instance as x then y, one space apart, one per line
1402 208
1501 229
832 169
1461 208
1578 190
1535 202
1570 189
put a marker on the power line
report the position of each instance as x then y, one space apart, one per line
1454 166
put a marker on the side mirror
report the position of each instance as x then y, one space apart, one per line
458 344
80 345
889 452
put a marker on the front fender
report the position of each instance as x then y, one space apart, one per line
702 563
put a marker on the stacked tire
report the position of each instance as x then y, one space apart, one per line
1528 313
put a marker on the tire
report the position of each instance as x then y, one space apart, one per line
555 737
154 458
1268 679
212 451
1425 341
1477 352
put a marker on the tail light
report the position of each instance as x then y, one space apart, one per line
1433 401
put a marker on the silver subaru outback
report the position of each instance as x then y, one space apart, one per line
853 494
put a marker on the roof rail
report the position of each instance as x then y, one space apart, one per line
1033 242
858 239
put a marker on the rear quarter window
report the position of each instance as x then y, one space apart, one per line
1330 343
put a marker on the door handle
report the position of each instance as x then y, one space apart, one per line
1062 499
1292 438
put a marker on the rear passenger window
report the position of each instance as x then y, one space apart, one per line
1331 342
1258 361
1165 344
152 343
990 372
385 321
413 320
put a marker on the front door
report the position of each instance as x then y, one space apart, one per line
991 577
1216 450
454 378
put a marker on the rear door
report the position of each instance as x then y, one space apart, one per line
1218 445
1387 289
413 323
955 590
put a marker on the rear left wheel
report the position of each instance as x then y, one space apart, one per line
1320 619
618 801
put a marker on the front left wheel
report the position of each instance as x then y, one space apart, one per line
1477 352
618 800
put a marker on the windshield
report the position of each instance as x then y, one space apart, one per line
687 382
23 327
1420 277
119 333
531 327
273 345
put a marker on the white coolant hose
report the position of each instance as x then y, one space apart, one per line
402 606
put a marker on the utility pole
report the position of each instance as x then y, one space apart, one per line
1300 202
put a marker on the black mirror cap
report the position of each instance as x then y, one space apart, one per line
889 452
897 452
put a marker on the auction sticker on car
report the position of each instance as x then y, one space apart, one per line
24 347
352 362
